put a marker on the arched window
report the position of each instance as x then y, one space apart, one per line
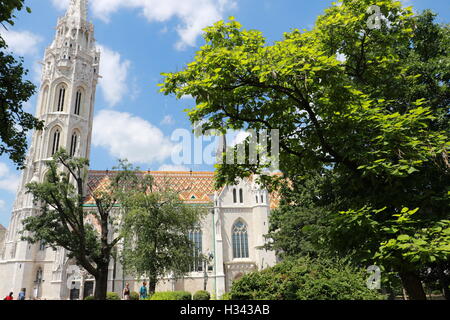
241 195
234 196
61 96
78 101
257 199
55 141
240 240
74 144
262 198
197 238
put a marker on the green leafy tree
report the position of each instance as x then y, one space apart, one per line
63 221
156 232
366 106
14 92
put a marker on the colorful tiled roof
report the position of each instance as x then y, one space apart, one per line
194 187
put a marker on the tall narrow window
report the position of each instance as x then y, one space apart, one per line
61 99
78 103
240 240
234 196
74 145
196 238
55 145
241 195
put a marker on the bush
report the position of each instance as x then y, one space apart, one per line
89 298
134 296
202 295
226 296
305 279
172 295
112 296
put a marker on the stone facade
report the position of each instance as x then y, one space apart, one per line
231 232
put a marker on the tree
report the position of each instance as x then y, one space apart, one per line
89 236
14 91
366 106
156 232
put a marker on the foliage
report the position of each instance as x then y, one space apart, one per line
112 296
363 111
226 296
134 296
14 92
64 222
156 232
202 295
89 298
172 295
305 279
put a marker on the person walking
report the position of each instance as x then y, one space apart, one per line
126 292
22 294
143 291
10 297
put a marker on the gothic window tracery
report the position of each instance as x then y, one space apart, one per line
240 240
74 144
61 96
55 141
196 237
78 102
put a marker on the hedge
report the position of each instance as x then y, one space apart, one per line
172 295
305 279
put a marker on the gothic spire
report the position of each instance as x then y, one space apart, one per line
78 9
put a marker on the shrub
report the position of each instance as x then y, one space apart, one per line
112 296
89 298
202 295
226 296
305 279
172 295
134 296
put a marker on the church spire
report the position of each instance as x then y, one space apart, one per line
78 9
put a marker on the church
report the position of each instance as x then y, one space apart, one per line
231 233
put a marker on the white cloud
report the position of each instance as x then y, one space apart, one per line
9 181
170 167
21 43
193 14
114 72
168 120
129 137
61 4
2 204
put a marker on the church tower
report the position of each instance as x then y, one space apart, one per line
66 105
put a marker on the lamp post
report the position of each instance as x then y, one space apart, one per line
206 264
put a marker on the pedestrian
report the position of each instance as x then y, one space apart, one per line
143 291
10 297
22 294
126 292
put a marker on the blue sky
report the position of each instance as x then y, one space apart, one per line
140 39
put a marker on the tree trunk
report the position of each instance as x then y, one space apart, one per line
152 285
413 286
445 287
101 284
